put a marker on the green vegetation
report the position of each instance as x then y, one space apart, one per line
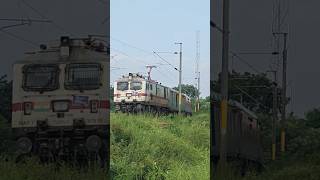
143 147
146 147
32 170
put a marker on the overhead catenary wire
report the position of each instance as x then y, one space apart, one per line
42 15
165 61
20 38
245 62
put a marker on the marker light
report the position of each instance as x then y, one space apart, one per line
27 106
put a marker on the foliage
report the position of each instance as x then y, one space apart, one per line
6 96
6 143
33 170
111 98
146 147
189 90
258 86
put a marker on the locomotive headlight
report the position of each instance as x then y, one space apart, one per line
24 145
93 143
60 106
27 106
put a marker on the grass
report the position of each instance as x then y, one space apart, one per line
287 168
143 147
33 170
146 147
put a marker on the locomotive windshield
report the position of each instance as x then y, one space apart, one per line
40 77
136 85
86 76
122 86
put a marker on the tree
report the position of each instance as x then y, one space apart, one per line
189 90
313 118
111 97
253 90
6 97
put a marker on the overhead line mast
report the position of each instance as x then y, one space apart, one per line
197 104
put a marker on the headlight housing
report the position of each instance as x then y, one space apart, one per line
60 106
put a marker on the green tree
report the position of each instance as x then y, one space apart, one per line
253 90
189 90
6 97
313 118
111 98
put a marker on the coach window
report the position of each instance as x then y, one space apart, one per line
40 77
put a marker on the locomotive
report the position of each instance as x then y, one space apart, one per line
60 108
135 93
243 137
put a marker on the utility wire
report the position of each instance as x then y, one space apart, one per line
45 17
165 60
25 20
14 25
20 38
245 62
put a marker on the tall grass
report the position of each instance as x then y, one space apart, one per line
142 147
147 147
33 170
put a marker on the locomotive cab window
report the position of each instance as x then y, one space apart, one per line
86 76
122 86
40 77
135 85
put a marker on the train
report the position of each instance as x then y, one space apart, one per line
134 93
61 104
243 141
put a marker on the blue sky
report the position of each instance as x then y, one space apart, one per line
139 27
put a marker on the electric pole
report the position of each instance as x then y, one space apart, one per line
150 67
275 115
180 74
284 94
197 104
224 85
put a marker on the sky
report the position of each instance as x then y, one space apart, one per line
141 27
75 18
250 31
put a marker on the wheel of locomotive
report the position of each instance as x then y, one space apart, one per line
24 147
97 151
